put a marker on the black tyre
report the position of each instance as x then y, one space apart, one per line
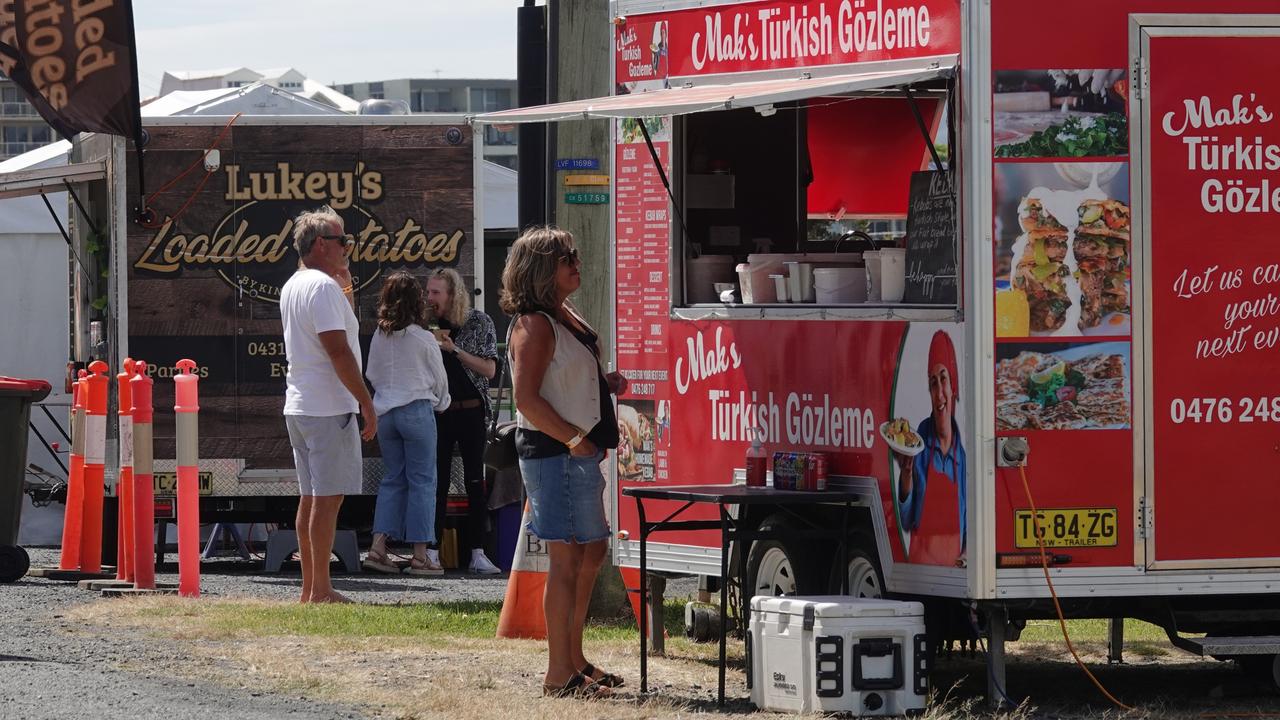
785 566
865 580
14 563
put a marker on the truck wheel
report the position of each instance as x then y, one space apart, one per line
863 573
14 563
781 567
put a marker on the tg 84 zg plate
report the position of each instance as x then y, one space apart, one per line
1067 527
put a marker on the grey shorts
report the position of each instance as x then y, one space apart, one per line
326 453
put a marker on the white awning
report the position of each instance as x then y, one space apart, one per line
729 96
50 179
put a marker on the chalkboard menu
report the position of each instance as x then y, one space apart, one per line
931 239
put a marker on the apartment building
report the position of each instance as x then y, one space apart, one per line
21 127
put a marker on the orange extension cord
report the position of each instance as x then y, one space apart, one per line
1062 621
208 174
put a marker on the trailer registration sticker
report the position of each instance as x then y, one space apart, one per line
1067 527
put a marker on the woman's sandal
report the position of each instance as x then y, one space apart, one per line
578 686
608 679
380 562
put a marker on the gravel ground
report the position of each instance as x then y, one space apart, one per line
53 668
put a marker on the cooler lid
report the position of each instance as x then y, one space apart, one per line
836 606
18 387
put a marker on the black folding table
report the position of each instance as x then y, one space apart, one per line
725 496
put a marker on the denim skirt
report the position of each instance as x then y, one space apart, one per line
566 498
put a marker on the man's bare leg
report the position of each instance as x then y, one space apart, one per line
324 525
303 527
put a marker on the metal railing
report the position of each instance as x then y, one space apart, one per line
18 109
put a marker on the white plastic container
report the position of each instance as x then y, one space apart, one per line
702 273
799 281
837 654
761 286
872 258
834 286
893 274
780 288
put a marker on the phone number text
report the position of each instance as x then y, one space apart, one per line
1224 410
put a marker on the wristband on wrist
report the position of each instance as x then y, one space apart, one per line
576 440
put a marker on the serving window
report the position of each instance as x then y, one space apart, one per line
794 206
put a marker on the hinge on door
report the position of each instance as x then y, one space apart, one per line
1140 80
1140 529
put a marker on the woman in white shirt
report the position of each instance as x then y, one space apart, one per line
409 387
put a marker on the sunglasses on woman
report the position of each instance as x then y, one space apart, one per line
571 257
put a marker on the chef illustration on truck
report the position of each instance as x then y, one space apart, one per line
931 466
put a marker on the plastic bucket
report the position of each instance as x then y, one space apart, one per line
840 285
893 274
872 258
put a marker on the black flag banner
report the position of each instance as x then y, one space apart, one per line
76 61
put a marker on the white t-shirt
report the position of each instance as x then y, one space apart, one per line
406 366
311 303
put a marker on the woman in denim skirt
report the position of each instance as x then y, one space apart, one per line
409 388
565 422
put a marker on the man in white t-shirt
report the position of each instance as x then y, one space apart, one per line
325 391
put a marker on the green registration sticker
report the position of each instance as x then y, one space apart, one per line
586 198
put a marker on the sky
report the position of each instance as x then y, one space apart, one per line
331 41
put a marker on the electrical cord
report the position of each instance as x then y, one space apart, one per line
208 174
1057 606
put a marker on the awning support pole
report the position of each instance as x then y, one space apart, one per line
662 175
928 139
65 235
76 198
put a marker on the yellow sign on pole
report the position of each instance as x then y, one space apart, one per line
586 179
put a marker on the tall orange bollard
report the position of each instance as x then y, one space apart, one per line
73 517
124 478
94 391
144 511
186 412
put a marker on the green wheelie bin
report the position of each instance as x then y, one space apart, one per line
16 398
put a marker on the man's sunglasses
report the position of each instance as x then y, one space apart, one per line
342 239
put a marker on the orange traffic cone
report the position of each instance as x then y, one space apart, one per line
522 615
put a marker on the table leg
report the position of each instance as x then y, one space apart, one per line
724 597
644 599
844 550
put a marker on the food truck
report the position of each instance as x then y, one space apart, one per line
982 257
200 275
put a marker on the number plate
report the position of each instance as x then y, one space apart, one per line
166 483
1067 527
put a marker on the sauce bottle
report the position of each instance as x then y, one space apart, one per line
757 461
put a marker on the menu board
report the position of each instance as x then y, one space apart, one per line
931 239
642 230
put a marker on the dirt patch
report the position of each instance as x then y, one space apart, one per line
489 679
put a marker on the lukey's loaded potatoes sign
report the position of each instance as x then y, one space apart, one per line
205 278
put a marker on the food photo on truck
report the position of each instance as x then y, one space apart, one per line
968 268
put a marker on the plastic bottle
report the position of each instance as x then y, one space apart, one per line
757 462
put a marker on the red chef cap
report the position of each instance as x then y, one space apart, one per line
942 352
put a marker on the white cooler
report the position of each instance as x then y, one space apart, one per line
840 654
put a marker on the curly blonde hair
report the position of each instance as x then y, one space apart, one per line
529 278
401 303
459 298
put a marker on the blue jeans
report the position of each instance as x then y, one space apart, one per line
406 508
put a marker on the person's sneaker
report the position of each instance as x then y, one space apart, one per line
480 564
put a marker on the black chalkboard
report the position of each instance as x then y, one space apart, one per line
931 239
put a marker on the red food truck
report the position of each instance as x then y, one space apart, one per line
983 258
